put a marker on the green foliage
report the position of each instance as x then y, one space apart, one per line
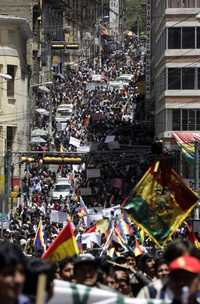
135 12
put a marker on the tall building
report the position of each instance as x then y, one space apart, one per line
176 68
14 78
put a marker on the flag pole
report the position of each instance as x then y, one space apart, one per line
107 241
41 289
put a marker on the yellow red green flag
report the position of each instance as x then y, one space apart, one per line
160 202
63 246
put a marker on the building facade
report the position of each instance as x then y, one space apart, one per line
14 94
176 66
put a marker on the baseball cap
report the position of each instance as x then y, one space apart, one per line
187 263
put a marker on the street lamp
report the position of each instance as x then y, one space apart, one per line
5 76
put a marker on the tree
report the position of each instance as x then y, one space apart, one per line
135 11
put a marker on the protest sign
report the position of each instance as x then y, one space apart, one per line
4 220
83 149
65 290
85 191
109 139
93 173
58 217
74 142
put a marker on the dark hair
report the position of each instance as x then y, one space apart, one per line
10 255
64 262
35 267
176 249
141 263
158 263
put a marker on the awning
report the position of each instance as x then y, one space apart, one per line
186 137
186 141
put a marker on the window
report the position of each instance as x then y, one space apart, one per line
11 131
183 79
182 3
198 37
188 79
197 119
174 38
186 119
188 37
183 37
11 69
191 120
176 119
198 80
174 79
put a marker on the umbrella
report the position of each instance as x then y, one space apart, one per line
38 140
39 132
44 89
42 111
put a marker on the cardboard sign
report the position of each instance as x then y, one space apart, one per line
86 191
109 139
93 173
58 217
83 149
74 142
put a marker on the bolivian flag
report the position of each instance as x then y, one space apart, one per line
63 246
39 243
160 202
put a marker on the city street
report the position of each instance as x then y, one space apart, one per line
99 158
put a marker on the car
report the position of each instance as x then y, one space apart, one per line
64 112
62 187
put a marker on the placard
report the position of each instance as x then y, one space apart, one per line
86 191
58 217
83 149
74 142
93 173
109 139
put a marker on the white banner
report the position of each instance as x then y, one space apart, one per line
65 292
74 142
93 173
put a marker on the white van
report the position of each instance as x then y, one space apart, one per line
64 112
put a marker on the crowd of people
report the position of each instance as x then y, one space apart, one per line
171 275
104 121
